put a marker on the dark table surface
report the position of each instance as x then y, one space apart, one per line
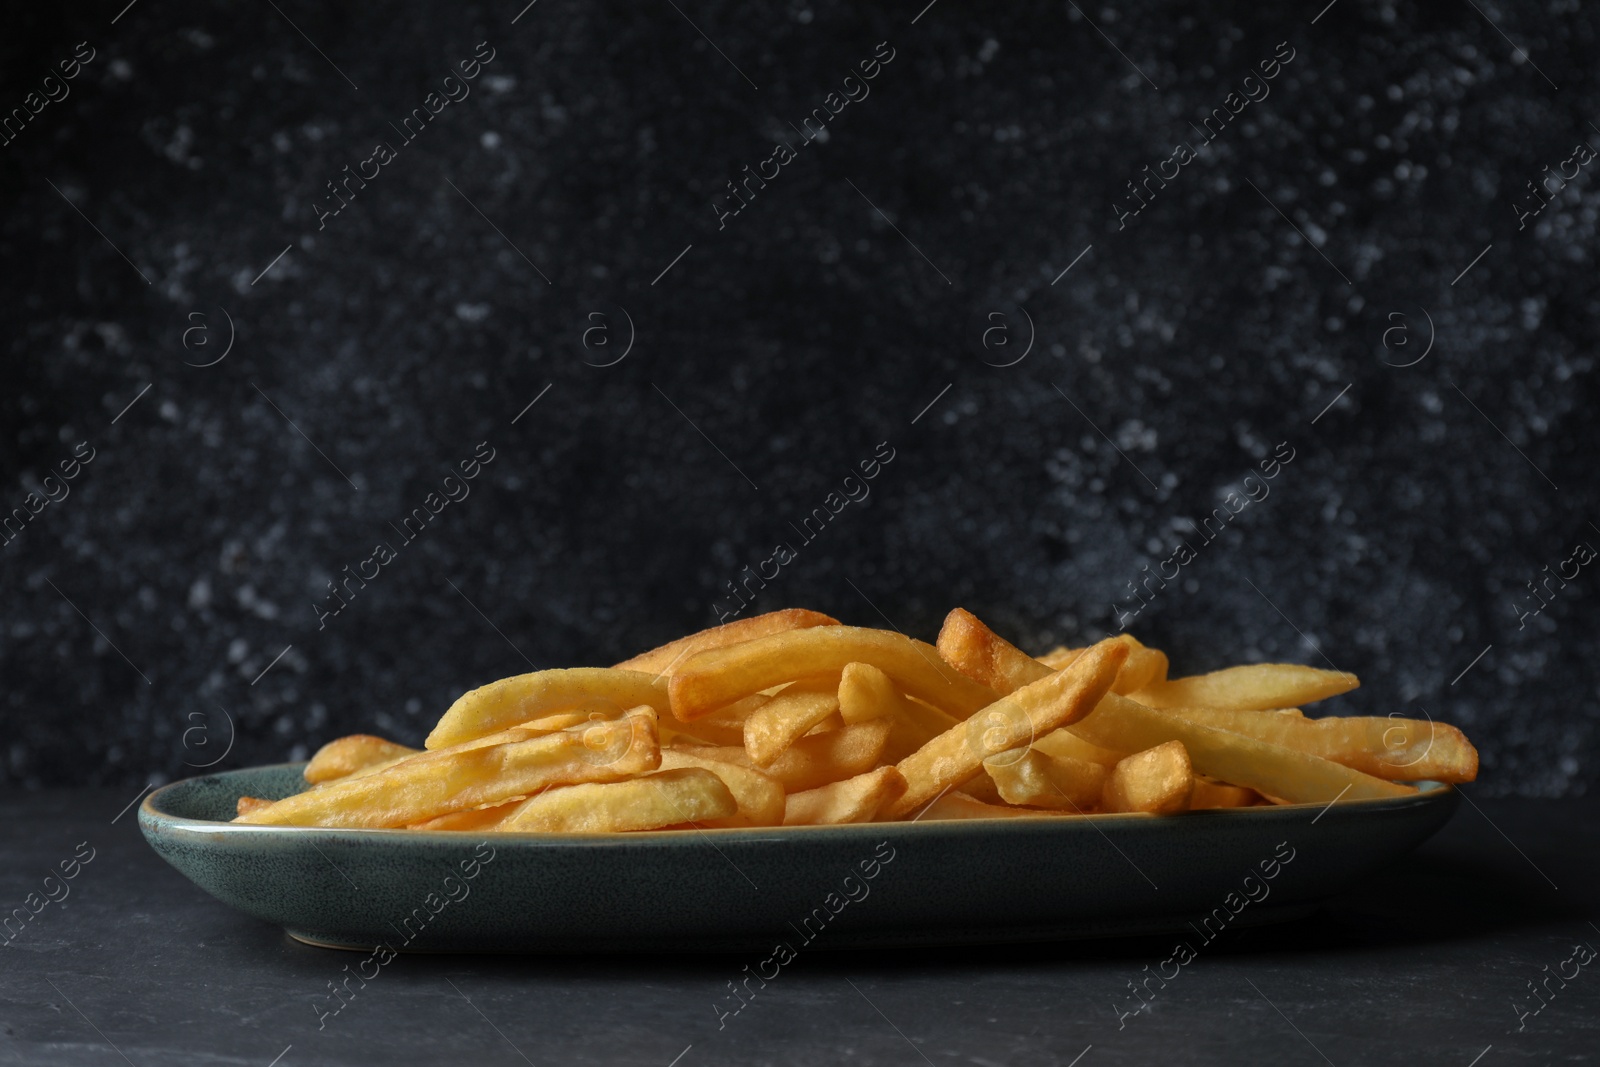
1425 963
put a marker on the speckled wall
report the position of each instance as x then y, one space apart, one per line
1292 312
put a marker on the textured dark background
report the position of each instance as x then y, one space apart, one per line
138 614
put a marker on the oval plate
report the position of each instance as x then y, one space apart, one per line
918 883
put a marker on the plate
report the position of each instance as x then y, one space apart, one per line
875 884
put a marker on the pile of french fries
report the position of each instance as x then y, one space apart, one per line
792 719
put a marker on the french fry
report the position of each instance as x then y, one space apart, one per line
703 732
1059 657
832 721
1058 700
971 647
1068 745
662 660
866 693
1273 770
509 701
789 716
817 759
1253 687
1212 794
1033 779
981 787
957 805
1145 667
1158 780
758 794
855 799
346 755
1131 727
435 783
710 679
488 818
1397 749
649 802
244 805
566 720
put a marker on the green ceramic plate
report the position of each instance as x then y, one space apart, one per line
923 883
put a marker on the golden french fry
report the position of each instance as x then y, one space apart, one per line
649 802
435 783
915 723
566 720
1145 667
855 799
662 660
1212 794
866 693
787 717
759 795
509 701
1122 724
346 755
1158 780
1397 749
244 805
968 645
702 733
957 805
725 727
1015 720
1273 770
1253 687
816 759
488 818
1068 745
710 679
1033 779
981 787
1059 657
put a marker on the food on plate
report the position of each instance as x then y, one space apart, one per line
795 719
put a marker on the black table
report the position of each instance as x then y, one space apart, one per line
1425 963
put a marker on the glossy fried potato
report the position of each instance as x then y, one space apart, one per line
793 719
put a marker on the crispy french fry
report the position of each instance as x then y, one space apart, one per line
662 660
981 787
789 716
1273 770
957 805
1145 667
1059 657
1033 779
968 645
866 693
435 783
1212 794
1058 700
346 755
1253 687
566 720
1397 749
245 805
1158 780
1069 745
649 802
816 759
488 818
759 795
855 799
509 701
710 679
